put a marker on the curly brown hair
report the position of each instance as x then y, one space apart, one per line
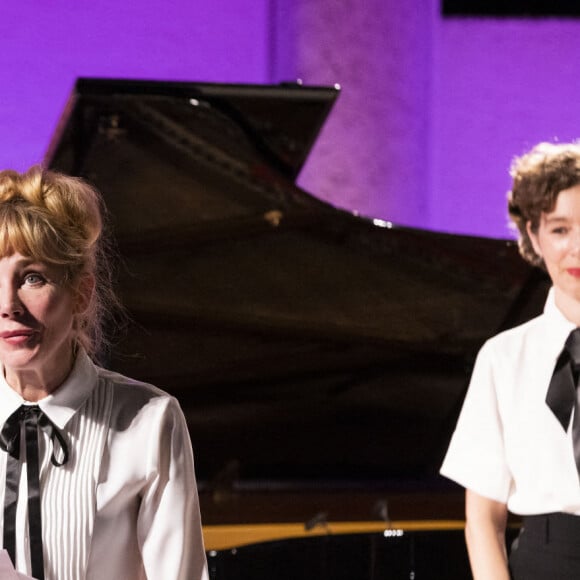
538 177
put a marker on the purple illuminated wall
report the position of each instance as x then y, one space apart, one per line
431 113
501 86
373 154
433 108
47 45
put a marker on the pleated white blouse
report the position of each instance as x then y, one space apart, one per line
125 506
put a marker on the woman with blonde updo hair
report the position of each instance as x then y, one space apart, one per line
57 219
78 501
516 445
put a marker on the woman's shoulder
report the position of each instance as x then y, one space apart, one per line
120 381
132 394
532 326
517 337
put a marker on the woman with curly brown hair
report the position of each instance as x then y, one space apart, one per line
516 445
96 470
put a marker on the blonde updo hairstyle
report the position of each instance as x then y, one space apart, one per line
57 219
538 177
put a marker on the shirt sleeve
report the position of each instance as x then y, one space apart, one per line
169 524
476 456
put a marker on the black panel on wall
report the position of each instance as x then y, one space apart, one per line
511 8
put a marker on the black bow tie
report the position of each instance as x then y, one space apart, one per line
561 395
10 434
31 418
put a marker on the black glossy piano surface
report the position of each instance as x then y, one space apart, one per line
393 555
320 357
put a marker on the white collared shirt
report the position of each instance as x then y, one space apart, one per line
508 445
125 506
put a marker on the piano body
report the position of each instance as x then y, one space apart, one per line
320 357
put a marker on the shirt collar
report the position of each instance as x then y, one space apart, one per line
558 327
63 403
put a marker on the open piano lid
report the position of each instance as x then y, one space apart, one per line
280 121
307 346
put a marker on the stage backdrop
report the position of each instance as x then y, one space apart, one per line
433 107
45 46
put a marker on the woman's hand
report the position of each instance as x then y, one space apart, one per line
485 536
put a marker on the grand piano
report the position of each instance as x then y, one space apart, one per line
320 357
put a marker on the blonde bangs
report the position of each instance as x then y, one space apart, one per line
26 231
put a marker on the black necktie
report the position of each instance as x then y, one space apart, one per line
561 396
32 418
